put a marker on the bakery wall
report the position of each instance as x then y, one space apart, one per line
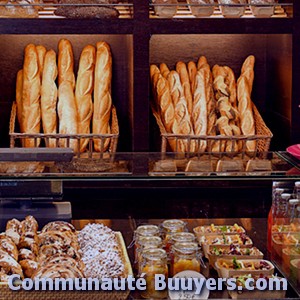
273 69
11 59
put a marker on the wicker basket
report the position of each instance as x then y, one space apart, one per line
262 137
17 138
7 294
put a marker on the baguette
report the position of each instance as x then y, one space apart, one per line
153 69
192 70
83 92
41 52
246 111
19 91
164 70
102 94
65 62
185 82
49 96
231 83
31 111
199 115
201 62
248 70
67 114
182 123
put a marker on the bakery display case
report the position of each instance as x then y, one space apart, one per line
200 188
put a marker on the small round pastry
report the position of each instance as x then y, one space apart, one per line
9 265
13 230
29 226
7 245
29 267
59 226
26 254
66 238
29 243
57 271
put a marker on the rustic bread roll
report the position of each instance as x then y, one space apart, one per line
192 70
83 92
65 62
181 69
49 96
41 52
31 111
246 111
19 91
182 123
67 114
199 115
102 94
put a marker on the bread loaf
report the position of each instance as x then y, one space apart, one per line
245 110
67 114
41 52
199 115
182 123
248 70
201 61
65 62
185 82
83 92
19 91
31 111
102 94
153 69
164 70
192 70
49 96
231 83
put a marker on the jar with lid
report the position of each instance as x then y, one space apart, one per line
180 237
154 261
142 231
169 227
186 256
143 243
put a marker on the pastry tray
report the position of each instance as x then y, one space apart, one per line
7 294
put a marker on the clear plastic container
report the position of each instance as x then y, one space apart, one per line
154 261
167 10
232 8
260 11
201 8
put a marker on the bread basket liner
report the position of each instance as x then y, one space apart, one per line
113 136
263 134
7 294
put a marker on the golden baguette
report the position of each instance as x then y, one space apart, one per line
31 110
67 114
231 83
41 52
65 62
182 123
164 70
153 69
199 115
248 70
181 69
192 70
49 96
83 92
19 91
102 95
201 62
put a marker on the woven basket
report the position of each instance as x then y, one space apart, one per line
262 137
17 138
7 294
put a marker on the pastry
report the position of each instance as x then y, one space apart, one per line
59 226
31 111
83 92
8 266
64 259
13 230
47 251
29 226
26 254
62 239
30 243
29 267
49 97
102 95
7 245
